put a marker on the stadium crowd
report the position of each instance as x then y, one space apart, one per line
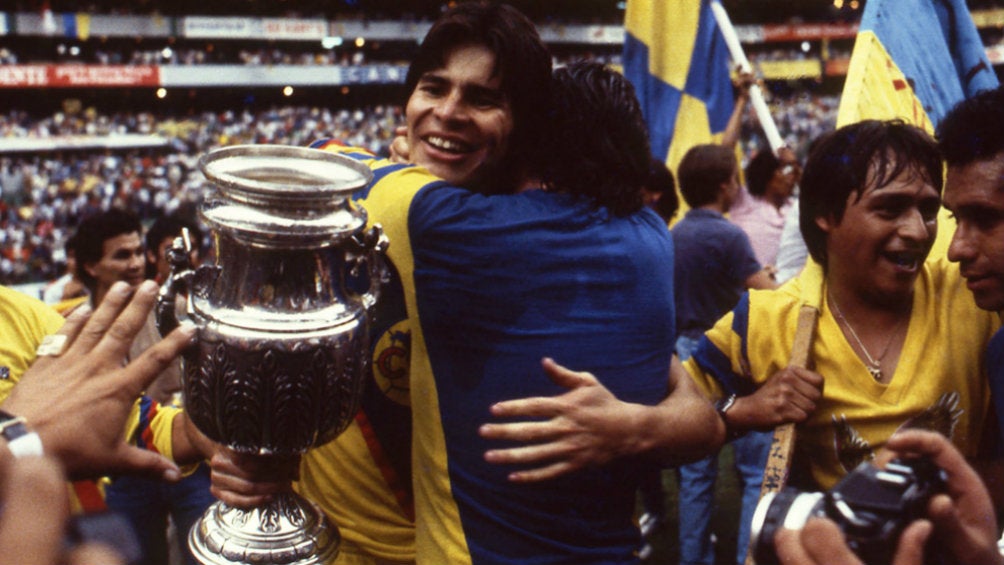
44 195
472 239
152 52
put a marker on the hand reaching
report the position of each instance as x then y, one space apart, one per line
78 401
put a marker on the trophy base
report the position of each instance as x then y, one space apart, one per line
288 530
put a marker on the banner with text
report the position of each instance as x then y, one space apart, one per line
21 76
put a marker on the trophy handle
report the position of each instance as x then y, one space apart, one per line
367 251
179 257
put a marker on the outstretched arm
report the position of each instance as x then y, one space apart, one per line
588 425
78 400
733 129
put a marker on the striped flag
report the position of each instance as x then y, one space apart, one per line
914 60
677 60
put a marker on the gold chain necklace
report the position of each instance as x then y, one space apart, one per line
873 365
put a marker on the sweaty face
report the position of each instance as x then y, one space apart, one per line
121 260
877 249
459 120
975 195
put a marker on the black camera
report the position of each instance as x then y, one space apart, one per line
871 506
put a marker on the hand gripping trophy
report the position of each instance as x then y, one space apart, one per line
283 331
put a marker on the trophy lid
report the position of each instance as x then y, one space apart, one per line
277 195
283 176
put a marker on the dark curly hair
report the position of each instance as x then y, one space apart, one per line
597 145
760 170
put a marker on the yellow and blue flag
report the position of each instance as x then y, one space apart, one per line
677 60
914 60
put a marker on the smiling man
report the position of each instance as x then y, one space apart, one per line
971 139
890 343
479 93
452 142
109 249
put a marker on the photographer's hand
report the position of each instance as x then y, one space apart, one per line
964 520
821 542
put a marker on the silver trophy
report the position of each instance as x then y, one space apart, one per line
283 331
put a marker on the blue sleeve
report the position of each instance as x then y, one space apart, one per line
742 256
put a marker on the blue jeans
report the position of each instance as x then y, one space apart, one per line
697 489
146 503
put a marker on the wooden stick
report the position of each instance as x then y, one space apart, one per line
775 473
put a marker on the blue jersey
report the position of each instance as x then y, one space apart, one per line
713 260
500 282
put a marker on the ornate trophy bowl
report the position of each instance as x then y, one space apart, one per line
283 333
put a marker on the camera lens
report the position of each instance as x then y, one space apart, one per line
790 509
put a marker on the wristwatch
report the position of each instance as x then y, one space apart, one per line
723 405
21 441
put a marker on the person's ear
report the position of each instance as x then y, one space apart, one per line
90 269
826 223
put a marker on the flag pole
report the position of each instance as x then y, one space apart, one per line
756 94
778 465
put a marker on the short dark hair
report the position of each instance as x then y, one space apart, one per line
597 143
94 231
522 60
171 226
760 170
660 180
841 161
702 171
974 129
166 227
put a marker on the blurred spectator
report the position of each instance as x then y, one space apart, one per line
659 192
161 236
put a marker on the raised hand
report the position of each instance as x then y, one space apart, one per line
78 400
